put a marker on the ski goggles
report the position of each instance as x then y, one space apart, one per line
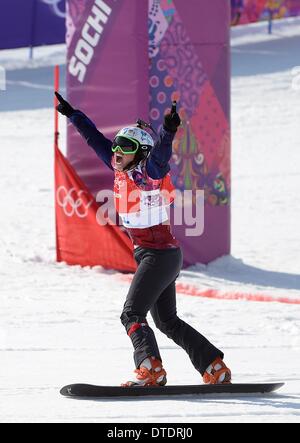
125 145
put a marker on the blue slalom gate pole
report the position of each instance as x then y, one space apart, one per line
32 30
270 25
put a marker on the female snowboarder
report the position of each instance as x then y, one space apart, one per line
142 167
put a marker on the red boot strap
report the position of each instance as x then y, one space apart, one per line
151 376
213 379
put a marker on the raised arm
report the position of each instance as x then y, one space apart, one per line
158 162
87 129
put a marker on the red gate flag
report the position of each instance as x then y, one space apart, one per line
80 238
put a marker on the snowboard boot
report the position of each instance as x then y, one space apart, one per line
150 373
217 373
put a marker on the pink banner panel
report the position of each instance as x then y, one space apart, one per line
107 75
119 52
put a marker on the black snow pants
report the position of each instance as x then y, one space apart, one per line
153 289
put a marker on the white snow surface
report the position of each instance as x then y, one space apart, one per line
60 324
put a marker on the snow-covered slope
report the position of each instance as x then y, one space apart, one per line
60 325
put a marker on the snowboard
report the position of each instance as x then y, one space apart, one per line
99 392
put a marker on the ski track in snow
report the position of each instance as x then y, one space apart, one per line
60 324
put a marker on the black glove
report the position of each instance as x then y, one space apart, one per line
64 107
172 120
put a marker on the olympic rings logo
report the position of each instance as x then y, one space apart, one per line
55 6
72 202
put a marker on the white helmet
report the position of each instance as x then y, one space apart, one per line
144 139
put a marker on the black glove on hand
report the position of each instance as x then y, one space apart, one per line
64 107
172 120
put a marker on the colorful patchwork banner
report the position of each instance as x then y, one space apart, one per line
250 11
189 62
